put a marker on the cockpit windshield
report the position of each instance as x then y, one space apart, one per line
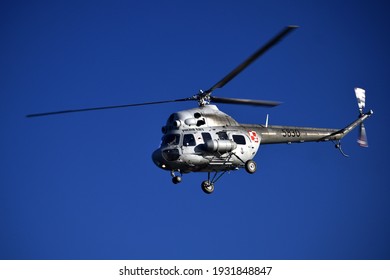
171 139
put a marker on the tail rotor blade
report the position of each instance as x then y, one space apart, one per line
361 98
362 140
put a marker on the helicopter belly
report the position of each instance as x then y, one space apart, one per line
193 162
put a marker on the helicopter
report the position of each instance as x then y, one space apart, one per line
205 139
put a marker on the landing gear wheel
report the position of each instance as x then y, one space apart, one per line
250 166
176 180
207 187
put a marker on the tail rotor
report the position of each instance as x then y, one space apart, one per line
361 99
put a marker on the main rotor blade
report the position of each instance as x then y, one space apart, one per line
106 107
262 103
252 58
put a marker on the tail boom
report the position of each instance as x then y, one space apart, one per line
296 134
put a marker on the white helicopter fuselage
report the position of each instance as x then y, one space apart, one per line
204 139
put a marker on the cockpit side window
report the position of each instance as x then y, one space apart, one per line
171 139
206 136
222 135
189 140
239 139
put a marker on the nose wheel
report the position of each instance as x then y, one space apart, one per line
176 179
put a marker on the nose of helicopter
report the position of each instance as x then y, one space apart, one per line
158 158
166 158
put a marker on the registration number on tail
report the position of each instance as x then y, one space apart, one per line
291 133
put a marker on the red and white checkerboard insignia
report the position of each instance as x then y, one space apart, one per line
253 136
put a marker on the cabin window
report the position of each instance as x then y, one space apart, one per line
189 140
171 139
239 139
206 136
222 135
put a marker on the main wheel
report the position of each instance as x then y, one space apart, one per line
250 166
207 187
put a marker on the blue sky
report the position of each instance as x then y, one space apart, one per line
83 186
